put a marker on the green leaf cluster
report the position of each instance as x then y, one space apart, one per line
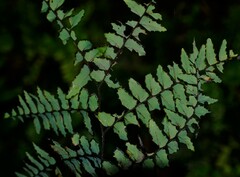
84 159
176 93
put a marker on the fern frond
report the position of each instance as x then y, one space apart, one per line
49 112
54 13
148 21
105 57
83 160
179 94
40 166
86 158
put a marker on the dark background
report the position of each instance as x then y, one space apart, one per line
31 55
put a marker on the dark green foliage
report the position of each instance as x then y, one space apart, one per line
176 93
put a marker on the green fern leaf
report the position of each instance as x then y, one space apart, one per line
51 16
73 35
122 160
120 29
39 105
213 77
24 106
77 170
126 99
54 4
167 100
163 78
92 54
88 167
80 81
190 79
184 109
71 166
37 124
148 164
60 14
31 169
173 147
175 118
84 45
169 129
135 7
60 124
137 91
220 67
152 85
102 63
106 119
87 121
97 75
85 145
157 134
43 100
44 7
60 150
151 25
35 162
200 111
137 31
200 61
64 36
46 123
67 121
110 83
83 98
193 125
153 104
75 139
186 63
175 71
179 92
30 102
162 158
120 129
94 147
206 99
132 44
210 54
93 102
150 12
143 114
114 40
63 100
134 153
110 168
232 54
45 157
74 21
52 122
183 138
53 101
131 119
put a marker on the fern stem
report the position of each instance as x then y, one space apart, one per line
102 141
